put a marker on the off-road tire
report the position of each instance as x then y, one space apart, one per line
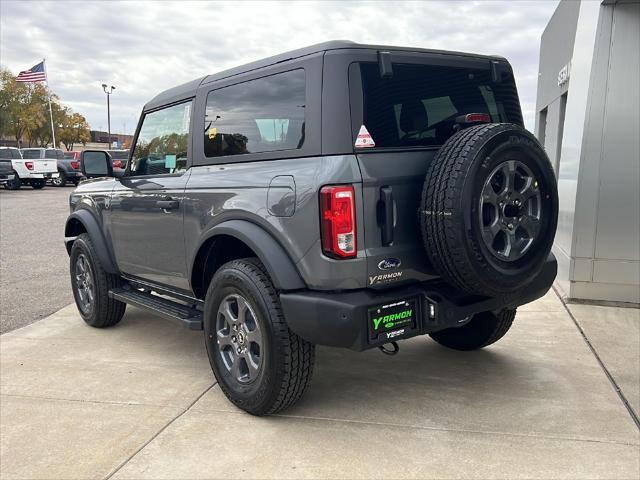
61 181
105 311
482 330
37 184
450 206
14 184
287 365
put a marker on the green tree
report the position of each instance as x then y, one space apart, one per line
24 114
74 129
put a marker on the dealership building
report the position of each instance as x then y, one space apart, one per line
588 119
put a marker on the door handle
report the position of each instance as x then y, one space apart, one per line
387 214
168 203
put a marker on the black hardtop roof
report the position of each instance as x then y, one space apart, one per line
188 89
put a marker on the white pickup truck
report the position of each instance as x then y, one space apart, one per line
30 171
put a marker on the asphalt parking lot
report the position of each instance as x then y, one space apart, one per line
34 278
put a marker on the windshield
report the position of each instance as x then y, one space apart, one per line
31 153
418 104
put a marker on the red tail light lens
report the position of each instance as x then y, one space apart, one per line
29 165
75 165
338 221
117 164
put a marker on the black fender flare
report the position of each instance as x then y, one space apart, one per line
91 225
279 265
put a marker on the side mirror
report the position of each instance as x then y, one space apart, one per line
96 163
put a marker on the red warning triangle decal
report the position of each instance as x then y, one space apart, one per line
364 139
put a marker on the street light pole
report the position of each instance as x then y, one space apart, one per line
108 92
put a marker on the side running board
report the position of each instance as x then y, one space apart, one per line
189 317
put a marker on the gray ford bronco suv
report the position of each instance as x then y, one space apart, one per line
342 194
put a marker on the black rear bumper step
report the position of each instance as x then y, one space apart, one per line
189 317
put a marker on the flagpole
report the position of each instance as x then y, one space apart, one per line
53 132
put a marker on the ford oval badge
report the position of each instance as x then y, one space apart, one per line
389 263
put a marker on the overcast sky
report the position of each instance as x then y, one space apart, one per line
145 47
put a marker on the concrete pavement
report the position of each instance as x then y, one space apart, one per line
139 401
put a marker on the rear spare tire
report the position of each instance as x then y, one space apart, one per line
489 209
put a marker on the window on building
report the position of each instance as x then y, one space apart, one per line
262 115
561 115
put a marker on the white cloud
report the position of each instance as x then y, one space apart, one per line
145 47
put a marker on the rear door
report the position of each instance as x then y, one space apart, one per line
409 114
147 203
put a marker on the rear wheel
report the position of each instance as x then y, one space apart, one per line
482 330
91 285
261 365
37 184
13 184
60 180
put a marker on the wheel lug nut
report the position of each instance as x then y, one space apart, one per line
235 327
239 350
510 225
234 339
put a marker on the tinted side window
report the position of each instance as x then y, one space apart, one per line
31 154
16 153
262 115
161 147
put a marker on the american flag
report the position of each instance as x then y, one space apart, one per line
34 74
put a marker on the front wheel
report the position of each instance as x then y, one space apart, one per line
60 180
482 330
37 184
91 285
261 365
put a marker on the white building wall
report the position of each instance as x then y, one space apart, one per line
598 238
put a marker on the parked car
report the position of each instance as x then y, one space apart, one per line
72 155
119 158
68 169
7 154
343 194
30 171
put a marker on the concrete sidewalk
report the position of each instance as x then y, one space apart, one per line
139 401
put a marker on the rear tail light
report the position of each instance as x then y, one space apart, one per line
117 163
75 165
29 165
338 221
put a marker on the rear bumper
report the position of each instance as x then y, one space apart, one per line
42 176
341 319
4 177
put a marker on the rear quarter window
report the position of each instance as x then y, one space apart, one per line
417 106
262 115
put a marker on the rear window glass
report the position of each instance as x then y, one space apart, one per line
418 105
31 154
262 115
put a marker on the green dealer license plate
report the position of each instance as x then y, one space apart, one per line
392 320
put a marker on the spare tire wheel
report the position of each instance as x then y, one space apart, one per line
489 209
